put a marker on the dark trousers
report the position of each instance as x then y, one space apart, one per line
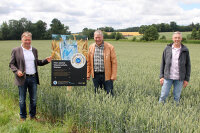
31 84
99 81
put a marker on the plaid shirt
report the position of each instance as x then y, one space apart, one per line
99 58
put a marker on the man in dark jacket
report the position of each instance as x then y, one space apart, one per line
24 62
175 68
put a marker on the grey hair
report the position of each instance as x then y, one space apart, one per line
177 32
26 33
98 32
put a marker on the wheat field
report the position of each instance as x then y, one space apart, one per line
134 106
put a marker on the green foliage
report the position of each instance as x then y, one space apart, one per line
173 26
142 29
151 34
14 29
183 39
198 34
58 28
118 36
112 35
134 38
39 30
189 37
88 32
4 31
194 34
130 29
106 29
105 35
163 37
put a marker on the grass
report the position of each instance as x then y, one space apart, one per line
10 122
134 108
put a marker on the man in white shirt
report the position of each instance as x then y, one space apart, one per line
175 68
24 62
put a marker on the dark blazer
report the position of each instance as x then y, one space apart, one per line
184 63
17 62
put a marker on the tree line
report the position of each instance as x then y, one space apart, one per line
13 29
150 32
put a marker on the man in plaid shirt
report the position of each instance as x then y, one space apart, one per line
102 63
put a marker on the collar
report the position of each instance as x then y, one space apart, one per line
26 49
101 46
174 47
183 47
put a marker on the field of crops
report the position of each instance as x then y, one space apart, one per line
133 108
127 33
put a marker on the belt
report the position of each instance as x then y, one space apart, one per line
98 72
30 75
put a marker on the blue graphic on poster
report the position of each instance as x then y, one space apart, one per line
68 47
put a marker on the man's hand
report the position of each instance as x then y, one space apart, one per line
161 81
185 83
19 73
88 78
49 58
112 79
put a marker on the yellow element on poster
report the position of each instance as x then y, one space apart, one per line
83 47
55 54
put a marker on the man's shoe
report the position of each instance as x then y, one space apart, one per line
34 118
22 119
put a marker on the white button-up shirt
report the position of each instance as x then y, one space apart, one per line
174 69
29 61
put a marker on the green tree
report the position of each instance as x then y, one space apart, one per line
106 29
173 26
163 37
39 30
58 28
143 28
134 38
4 31
25 25
17 27
194 34
198 34
88 32
151 34
112 35
118 36
15 30
105 35
48 35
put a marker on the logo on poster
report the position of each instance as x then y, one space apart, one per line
55 82
78 60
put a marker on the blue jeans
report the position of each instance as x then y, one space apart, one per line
166 89
31 84
99 81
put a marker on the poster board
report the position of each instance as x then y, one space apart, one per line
69 64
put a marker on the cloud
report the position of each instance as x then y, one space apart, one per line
190 1
5 10
78 14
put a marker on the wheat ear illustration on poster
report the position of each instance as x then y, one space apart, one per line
69 65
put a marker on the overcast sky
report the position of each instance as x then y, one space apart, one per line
78 14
